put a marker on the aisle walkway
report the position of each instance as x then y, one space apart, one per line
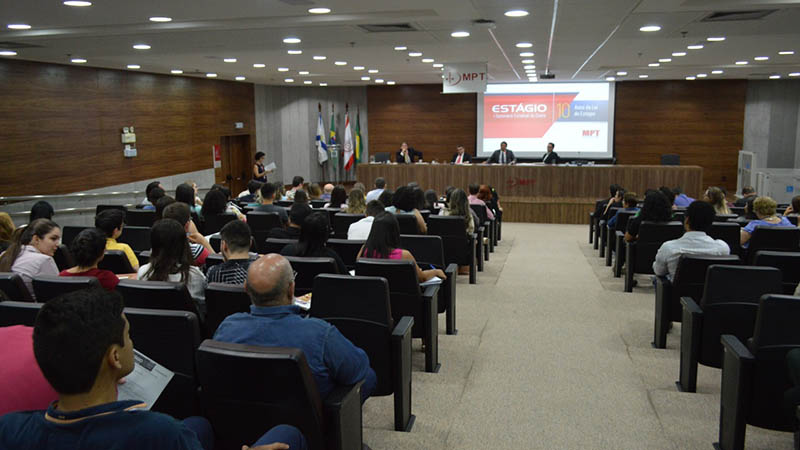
552 355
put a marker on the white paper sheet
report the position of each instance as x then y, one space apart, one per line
431 282
271 166
146 382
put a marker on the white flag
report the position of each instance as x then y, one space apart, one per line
348 143
322 147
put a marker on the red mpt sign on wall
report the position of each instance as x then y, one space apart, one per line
529 116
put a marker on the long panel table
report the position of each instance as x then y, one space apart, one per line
536 192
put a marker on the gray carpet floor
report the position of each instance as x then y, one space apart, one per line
552 354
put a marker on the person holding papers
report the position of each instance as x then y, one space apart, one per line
461 156
550 157
259 171
502 156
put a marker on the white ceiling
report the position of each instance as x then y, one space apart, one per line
593 39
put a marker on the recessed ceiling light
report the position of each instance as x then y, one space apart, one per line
19 26
695 47
528 61
702 75
323 84
364 78
761 58
341 63
654 64
459 34
78 60
794 74
524 45
379 80
320 58
516 13
176 71
294 52
230 60
291 40
259 65
401 48
621 73
715 39
134 66
530 66
307 82
716 72
77 3
8 53
690 78
427 60
141 46
610 78
289 80
240 78
650 28
373 71
319 10
303 72
774 77
526 54
391 83
283 69
665 60
414 54
741 63
358 67
679 54
211 75
643 76
438 65
160 19
786 52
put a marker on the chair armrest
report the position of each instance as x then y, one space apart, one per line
402 330
343 417
662 310
691 334
690 306
452 268
401 370
431 291
738 365
732 344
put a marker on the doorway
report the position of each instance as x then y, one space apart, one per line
237 163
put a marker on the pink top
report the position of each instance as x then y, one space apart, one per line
394 254
22 385
474 200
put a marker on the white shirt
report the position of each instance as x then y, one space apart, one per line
32 263
359 231
196 283
374 194
691 243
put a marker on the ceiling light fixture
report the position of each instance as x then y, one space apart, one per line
516 13
303 72
774 77
690 78
610 78
283 69
259 65
650 28
291 40
364 78
379 80
8 53
341 63
427 60
524 45
211 75
702 75
716 72
141 46
319 10
715 39
530 66
526 54
229 60
78 60
459 34
786 52
794 74
176 71
528 61
160 19
77 3
695 47
134 66
294 52
621 73
401 48
654 64
373 71
240 78
323 84
307 82
320 58
19 26
358 67
665 60
643 76
391 83
289 80
438 65
414 54
679 54
741 63
761 58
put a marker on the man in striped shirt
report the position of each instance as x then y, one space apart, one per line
235 246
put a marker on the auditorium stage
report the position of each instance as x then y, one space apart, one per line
536 192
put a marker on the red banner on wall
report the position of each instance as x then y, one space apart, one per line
217 155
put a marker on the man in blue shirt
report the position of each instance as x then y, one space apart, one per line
274 321
681 200
629 200
82 345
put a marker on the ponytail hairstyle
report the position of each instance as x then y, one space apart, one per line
170 252
24 236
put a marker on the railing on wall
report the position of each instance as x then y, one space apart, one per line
25 198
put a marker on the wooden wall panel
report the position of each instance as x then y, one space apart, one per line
60 126
429 121
702 121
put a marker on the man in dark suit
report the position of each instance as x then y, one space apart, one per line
461 157
502 156
550 157
407 155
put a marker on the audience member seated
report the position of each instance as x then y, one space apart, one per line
280 191
6 231
457 205
629 201
297 185
431 200
273 321
792 210
252 192
31 251
326 192
297 214
216 202
656 208
301 197
386 198
602 206
355 202
155 194
614 202
749 212
88 248
22 385
670 196
162 203
383 242
268 192
41 210
185 193
716 198
111 222
235 247
747 193
764 209
150 186
338 198
473 199
489 196
695 241
199 246
314 191
171 260
681 200
314 233
380 185
359 231
360 186
83 347
404 202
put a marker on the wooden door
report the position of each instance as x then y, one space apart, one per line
237 163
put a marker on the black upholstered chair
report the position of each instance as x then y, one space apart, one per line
604 232
274 245
409 299
115 261
260 223
156 295
138 238
616 241
359 308
12 285
725 217
170 338
307 268
347 250
754 373
222 300
18 313
730 232
47 287
728 306
688 282
317 204
488 227
342 222
248 389
786 239
100 208
63 258
140 218
787 262
459 247
640 254
214 222
408 223
429 251
68 233
284 203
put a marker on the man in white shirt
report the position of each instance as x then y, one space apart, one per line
359 231
695 241
380 185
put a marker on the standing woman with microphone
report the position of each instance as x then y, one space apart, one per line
259 172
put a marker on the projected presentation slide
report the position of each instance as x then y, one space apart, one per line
576 117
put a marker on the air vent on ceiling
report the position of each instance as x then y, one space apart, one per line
388 27
726 16
17 45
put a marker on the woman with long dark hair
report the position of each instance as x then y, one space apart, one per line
657 208
404 201
338 198
185 193
384 243
31 251
314 233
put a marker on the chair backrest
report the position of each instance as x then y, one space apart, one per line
622 220
408 223
18 313
12 285
156 295
273 245
453 231
307 268
651 236
359 308
170 338
724 217
679 216
47 287
63 258
115 261
787 262
260 223
426 249
248 389
738 210
670 159
332 213
382 157
100 208
137 237
68 233
347 250
342 222
404 290
480 210
139 218
690 279
222 300
730 232
284 203
317 204
773 238
214 222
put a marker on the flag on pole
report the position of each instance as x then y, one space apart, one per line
332 139
348 143
359 143
322 147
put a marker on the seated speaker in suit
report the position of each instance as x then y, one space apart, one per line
407 155
551 157
461 157
502 156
